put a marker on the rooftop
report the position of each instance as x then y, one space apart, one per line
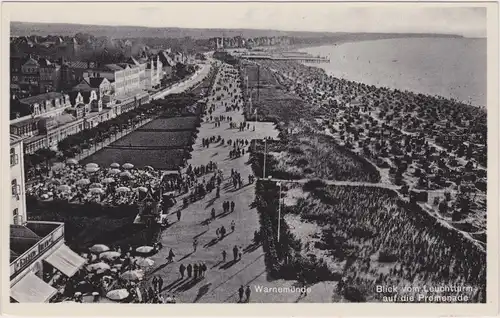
14 139
41 98
96 81
28 121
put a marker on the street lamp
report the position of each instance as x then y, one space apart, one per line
279 210
265 156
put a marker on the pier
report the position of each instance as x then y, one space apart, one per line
303 58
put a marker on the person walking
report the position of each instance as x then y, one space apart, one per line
195 244
213 213
178 215
217 232
233 225
232 206
182 268
189 269
224 254
160 284
241 291
235 253
203 269
171 256
195 270
247 293
154 283
222 232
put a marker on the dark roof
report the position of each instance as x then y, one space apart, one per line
30 60
44 62
96 81
84 86
165 59
40 98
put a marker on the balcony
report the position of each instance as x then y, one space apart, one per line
30 242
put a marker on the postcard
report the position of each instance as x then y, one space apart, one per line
250 158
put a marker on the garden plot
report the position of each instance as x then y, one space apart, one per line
171 124
155 139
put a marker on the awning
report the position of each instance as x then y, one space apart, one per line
65 260
31 289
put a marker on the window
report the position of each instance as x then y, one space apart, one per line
14 158
14 187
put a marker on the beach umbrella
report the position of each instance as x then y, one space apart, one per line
92 169
101 271
126 174
99 248
128 166
55 182
110 255
115 165
149 168
114 171
122 189
117 294
98 266
108 180
133 275
64 188
93 165
95 185
145 262
96 191
144 249
142 189
71 161
82 182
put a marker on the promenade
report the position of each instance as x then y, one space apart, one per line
222 279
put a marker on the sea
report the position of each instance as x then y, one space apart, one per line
449 67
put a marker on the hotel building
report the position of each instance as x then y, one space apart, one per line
37 249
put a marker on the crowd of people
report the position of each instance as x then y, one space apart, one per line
110 186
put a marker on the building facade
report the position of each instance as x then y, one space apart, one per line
18 193
37 249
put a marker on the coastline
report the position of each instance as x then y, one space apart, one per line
327 68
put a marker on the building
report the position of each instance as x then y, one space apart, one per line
167 64
142 64
18 198
154 73
123 77
37 249
50 76
47 104
104 90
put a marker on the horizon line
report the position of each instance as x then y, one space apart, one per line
250 29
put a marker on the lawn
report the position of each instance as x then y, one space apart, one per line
171 124
160 158
309 155
156 139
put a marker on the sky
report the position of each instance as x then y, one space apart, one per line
330 17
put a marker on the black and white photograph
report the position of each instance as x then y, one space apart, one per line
248 153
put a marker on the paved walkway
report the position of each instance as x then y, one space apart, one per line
222 279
